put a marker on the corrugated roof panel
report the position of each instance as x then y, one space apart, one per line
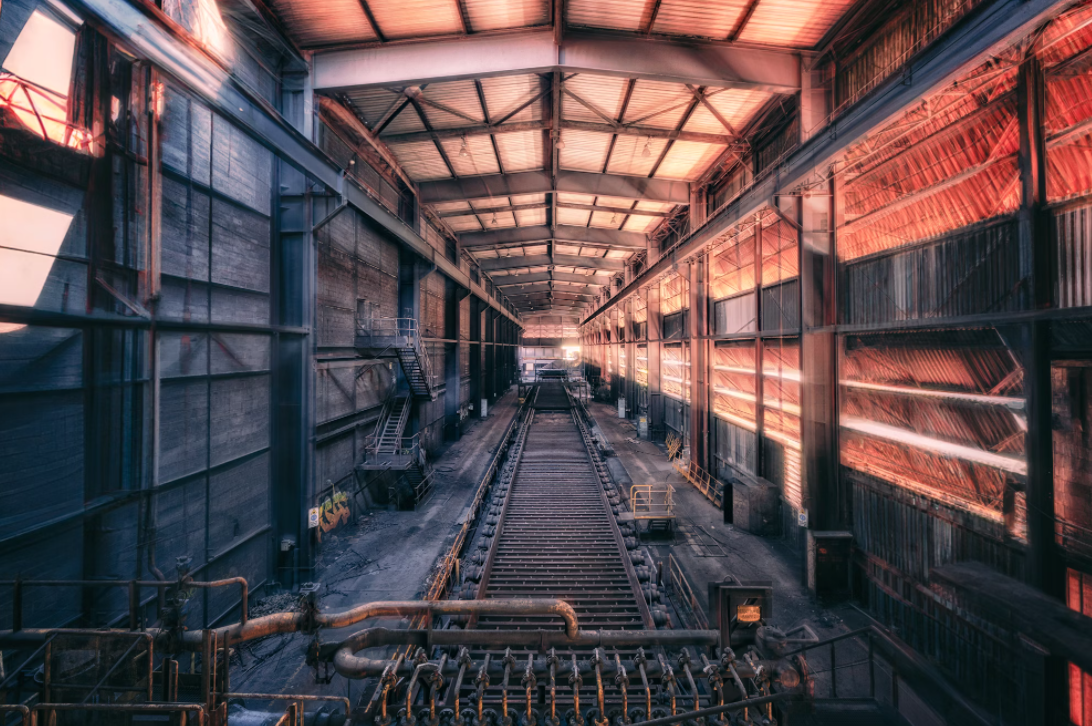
793 23
615 14
464 224
613 201
531 217
655 206
322 22
407 121
737 106
606 219
461 96
528 198
479 159
591 252
605 93
577 217
706 18
566 249
618 254
687 160
521 151
657 104
442 207
639 223
629 155
374 103
500 14
584 150
504 94
415 18
498 220
487 202
420 160
569 198
535 249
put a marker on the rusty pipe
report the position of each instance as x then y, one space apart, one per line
28 716
244 588
279 623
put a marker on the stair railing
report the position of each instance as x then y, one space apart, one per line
371 443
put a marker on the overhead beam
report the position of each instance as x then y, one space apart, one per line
508 280
591 263
561 233
717 65
605 128
495 210
539 182
613 210
459 132
996 27
527 289
635 130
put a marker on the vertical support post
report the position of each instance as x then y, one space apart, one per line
477 354
293 268
818 384
1045 568
655 350
453 372
1042 569
759 378
699 375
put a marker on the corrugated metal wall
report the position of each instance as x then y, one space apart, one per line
968 273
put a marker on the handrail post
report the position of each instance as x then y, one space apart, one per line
871 670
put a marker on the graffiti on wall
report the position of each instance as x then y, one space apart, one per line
333 512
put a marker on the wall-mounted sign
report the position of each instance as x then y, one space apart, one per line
313 517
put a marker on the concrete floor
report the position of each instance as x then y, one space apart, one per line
389 555
385 555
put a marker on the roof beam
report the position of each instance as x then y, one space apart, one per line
538 182
495 210
613 210
458 133
623 130
655 133
509 280
546 287
591 263
562 233
713 64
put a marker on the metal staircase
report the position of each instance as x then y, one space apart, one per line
418 371
380 336
389 432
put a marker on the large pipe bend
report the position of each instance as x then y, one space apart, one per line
279 623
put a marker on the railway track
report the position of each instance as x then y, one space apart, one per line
556 534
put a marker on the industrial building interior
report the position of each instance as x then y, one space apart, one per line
546 362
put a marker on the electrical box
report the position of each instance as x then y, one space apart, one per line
740 608
830 556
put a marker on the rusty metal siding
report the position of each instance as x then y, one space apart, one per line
781 306
970 273
914 534
733 448
1073 247
674 325
894 43
734 315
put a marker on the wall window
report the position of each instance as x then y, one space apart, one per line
36 79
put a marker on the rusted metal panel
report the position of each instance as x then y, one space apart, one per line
781 306
970 273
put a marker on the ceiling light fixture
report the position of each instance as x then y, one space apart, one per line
614 218
494 220
647 151
464 150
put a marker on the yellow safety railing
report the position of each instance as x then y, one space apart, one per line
702 480
684 594
652 501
